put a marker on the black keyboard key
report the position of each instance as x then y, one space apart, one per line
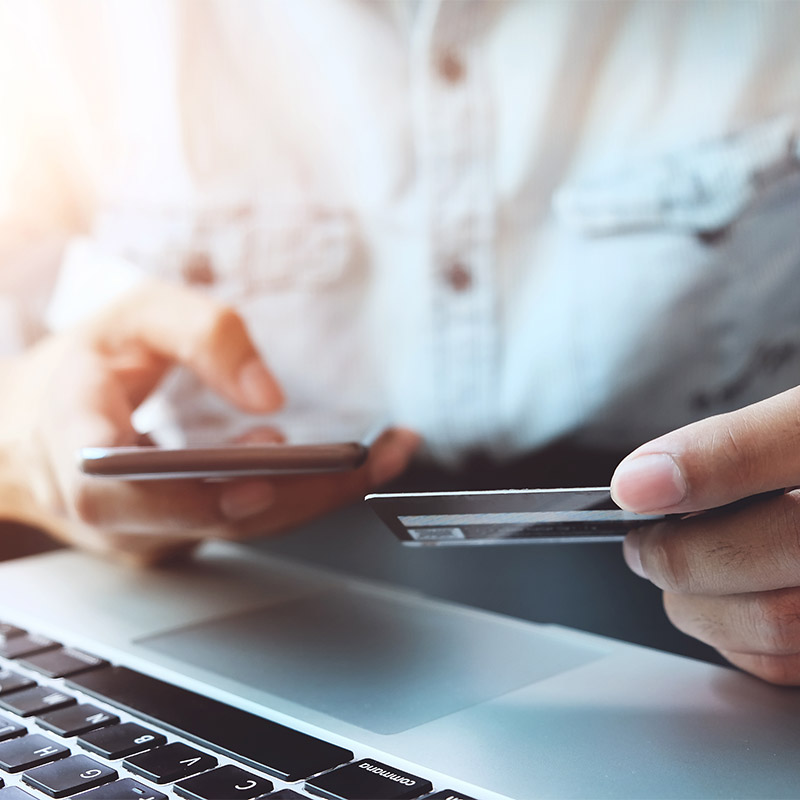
258 742
25 644
126 789
449 794
285 794
14 793
12 681
225 783
10 729
8 631
30 751
118 741
62 662
170 763
369 780
69 776
37 700
75 720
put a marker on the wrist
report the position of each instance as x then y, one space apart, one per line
18 499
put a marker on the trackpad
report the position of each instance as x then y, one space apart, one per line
383 663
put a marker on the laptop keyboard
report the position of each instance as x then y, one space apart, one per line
73 725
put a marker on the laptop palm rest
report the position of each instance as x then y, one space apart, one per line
383 663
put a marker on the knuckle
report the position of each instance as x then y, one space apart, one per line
786 511
690 620
777 669
677 614
777 622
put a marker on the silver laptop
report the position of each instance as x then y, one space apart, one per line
245 673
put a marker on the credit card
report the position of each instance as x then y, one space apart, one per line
508 516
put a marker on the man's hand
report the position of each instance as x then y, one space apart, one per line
731 578
80 388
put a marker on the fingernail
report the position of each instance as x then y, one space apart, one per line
246 499
651 482
630 549
391 454
258 387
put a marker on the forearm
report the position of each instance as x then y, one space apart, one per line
19 499
18 502
16 499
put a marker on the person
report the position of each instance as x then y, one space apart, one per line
496 224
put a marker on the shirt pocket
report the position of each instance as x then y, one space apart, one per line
700 189
680 273
239 250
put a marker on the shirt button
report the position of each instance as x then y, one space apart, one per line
450 66
197 269
458 277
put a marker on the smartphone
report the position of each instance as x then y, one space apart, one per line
220 462
512 516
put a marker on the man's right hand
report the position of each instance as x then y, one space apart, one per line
79 388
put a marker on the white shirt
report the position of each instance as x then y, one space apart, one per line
490 221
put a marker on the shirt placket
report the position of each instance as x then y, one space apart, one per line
455 151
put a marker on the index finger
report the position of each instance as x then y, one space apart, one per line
93 410
193 329
715 461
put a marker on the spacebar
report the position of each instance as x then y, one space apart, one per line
263 744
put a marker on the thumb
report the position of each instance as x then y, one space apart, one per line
193 329
715 461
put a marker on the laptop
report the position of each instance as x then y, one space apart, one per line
248 673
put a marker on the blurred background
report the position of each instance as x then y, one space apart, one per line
539 233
